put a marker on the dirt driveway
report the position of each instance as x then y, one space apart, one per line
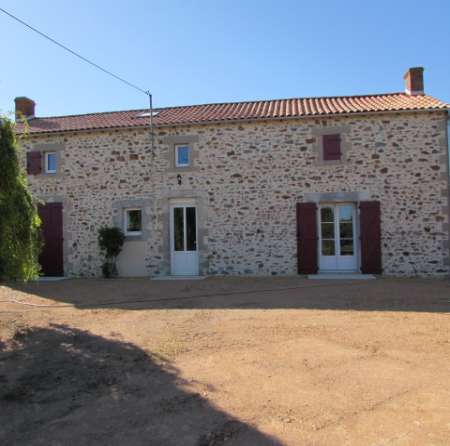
277 361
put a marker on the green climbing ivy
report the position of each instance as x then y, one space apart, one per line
20 240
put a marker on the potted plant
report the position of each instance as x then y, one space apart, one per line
110 241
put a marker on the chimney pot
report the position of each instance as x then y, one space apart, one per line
24 108
414 81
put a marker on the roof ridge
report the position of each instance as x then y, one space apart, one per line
288 99
175 107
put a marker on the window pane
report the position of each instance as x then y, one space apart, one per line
327 215
134 220
191 230
346 230
51 162
327 230
178 229
345 213
183 156
328 247
346 247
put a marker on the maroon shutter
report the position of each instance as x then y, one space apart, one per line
331 147
34 163
51 257
307 238
370 227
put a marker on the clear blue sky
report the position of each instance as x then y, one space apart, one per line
190 52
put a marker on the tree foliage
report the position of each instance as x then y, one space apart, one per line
20 240
110 241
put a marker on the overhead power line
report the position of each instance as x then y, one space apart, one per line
121 79
90 62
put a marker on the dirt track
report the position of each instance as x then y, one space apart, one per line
281 361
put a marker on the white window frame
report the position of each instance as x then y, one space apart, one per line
125 221
179 146
46 155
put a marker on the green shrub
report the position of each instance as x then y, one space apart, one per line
110 241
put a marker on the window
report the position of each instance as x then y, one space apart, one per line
327 231
182 155
331 147
147 114
34 162
133 221
50 162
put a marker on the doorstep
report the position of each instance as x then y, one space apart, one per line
50 278
341 276
178 278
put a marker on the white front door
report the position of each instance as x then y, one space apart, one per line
337 237
183 239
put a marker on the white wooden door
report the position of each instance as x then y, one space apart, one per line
183 239
337 237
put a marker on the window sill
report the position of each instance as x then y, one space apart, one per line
182 169
330 162
135 238
57 174
133 234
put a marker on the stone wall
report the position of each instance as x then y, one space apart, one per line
248 178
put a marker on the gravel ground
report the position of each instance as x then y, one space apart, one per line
225 361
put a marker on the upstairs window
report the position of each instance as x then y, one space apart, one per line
34 163
50 162
331 146
182 155
133 221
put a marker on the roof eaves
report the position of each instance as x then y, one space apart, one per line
242 120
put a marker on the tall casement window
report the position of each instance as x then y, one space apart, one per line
50 162
182 155
133 222
331 147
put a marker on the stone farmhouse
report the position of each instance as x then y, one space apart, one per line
294 186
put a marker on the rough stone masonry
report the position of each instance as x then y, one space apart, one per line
247 179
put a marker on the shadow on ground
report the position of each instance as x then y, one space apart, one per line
60 385
264 293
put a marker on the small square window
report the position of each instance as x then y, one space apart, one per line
133 222
50 162
182 155
331 147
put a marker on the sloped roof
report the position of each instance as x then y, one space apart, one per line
238 111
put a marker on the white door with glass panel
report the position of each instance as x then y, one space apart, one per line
183 239
337 237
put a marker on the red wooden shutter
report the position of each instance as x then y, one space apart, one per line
331 147
51 257
307 238
370 227
34 163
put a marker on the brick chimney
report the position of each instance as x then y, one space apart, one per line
414 81
24 108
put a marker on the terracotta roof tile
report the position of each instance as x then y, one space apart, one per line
238 111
